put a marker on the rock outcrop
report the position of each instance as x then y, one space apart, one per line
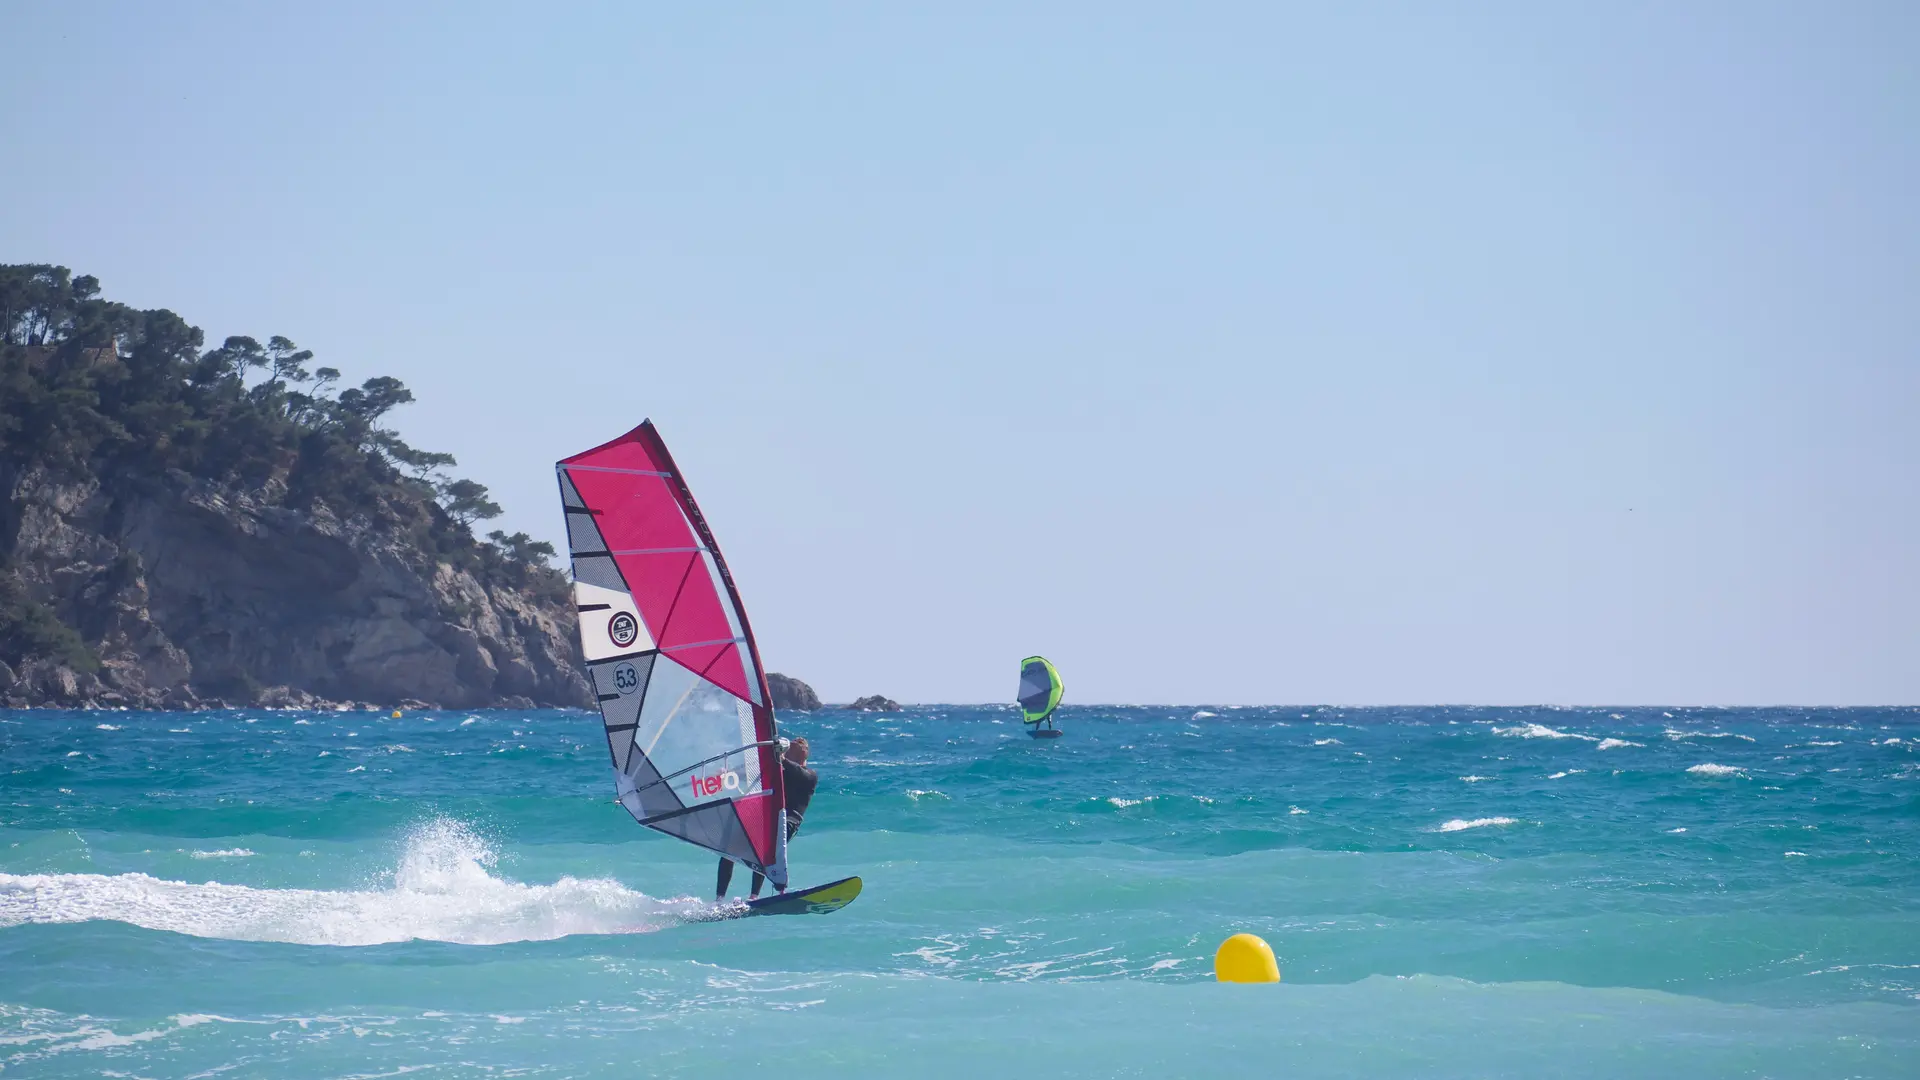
790 694
875 703
189 593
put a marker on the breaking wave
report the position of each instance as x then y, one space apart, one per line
1462 824
1541 731
444 889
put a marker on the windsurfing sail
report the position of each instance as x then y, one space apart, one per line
1040 688
670 656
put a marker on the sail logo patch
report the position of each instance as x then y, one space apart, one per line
715 784
623 629
626 679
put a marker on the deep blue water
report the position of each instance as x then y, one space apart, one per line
1450 891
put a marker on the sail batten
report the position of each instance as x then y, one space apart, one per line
671 656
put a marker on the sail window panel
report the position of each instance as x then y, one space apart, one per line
684 722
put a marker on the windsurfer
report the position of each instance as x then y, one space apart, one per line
800 782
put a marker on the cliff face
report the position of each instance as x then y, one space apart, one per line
190 592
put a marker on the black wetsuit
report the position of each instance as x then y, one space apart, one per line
800 782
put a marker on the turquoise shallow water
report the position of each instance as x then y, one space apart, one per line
1450 891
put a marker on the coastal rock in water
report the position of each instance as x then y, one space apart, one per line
790 693
875 703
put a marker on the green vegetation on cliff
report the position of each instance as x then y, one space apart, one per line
99 393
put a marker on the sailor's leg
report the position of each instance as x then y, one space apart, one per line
759 879
726 878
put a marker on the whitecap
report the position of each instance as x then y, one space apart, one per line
1795 855
1615 744
226 853
73 753
358 768
1461 824
1541 731
180 730
1295 810
1681 829
1123 803
1475 779
1204 715
1326 742
107 727
1710 769
919 793
1675 734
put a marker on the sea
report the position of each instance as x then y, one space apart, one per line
1455 891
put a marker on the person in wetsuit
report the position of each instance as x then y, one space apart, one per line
800 782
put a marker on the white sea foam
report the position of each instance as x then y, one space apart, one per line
1681 829
1204 714
1795 855
443 890
1615 744
227 853
1462 824
917 794
1710 769
1672 733
1563 774
107 727
1475 779
1326 742
1541 731
1817 742
1123 803
1295 810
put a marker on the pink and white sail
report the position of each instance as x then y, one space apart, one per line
670 656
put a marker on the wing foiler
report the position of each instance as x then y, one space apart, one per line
1040 690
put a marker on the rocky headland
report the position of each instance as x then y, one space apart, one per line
186 528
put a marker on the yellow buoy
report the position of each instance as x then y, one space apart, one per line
396 714
1244 958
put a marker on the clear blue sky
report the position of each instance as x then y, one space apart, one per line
1222 353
